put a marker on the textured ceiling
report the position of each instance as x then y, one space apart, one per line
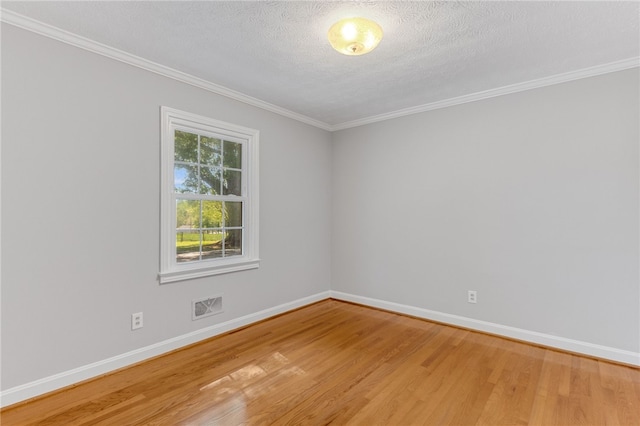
432 51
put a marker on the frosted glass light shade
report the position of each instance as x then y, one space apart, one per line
354 36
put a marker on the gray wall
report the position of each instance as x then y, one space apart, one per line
80 209
531 199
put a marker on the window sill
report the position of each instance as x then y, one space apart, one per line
205 271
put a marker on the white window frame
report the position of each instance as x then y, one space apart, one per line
170 269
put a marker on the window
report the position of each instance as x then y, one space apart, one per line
209 214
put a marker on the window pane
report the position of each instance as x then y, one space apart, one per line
232 155
186 147
233 213
187 245
232 184
187 214
210 151
233 243
185 178
210 180
208 196
211 244
212 214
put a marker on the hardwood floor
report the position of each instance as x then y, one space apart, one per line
333 362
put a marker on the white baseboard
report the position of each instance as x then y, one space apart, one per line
66 378
576 346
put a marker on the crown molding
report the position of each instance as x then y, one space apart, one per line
491 93
67 37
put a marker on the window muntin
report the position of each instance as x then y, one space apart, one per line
208 229
207 165
209 197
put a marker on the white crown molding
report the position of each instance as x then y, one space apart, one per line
67 37
67 378
491 93
543 339
58 34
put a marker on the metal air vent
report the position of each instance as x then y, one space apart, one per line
202 308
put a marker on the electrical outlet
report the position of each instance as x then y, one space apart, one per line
472 296
136 321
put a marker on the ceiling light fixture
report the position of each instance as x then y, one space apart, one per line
355 36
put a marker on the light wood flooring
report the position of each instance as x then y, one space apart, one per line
343 364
